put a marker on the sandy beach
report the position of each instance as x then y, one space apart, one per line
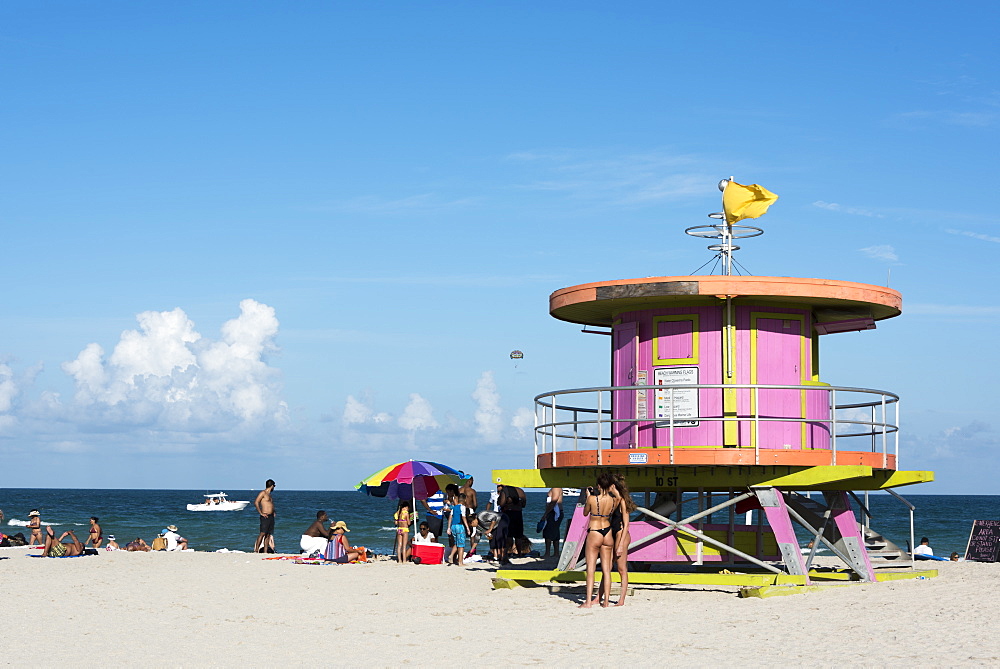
217 609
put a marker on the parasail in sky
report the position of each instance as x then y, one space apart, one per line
516 355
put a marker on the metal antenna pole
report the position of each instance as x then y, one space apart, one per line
725 232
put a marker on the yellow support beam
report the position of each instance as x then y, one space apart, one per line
769 584
882 479
519 576
691 477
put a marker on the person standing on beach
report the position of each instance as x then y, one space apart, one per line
552 519
458 530
500 539
471 502
35 525
265 507
598 505
95 539
620 535
435 512
402 519
512 502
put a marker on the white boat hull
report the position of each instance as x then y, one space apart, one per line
223 506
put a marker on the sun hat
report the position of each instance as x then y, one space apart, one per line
111 537
33 512
172 528
340 525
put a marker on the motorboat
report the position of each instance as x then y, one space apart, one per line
217 501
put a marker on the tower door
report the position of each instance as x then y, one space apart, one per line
625 359
778 360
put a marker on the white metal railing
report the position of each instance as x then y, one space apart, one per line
580 417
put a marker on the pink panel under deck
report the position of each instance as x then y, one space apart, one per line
847 525
667 549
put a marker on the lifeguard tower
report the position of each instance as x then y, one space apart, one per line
718 414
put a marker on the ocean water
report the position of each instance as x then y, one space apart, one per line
945 519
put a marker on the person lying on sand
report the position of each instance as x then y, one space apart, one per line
55 548
137 545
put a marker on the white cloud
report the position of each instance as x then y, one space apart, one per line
418 414
523 421
630 179
8 388
952 310
854 211
166 376
421 203
489 414
974 235
922 118
881 252
357 412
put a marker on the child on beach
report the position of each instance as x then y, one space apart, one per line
402 518
458 529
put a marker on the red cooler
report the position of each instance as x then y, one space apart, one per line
428 553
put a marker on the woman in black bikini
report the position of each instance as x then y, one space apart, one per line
598 505
619 529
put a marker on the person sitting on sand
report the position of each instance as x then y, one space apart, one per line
35 525
424 535
924 548
95 539
138 544
340 550
175 542
523 548
955 557
55 548
112 544
315 538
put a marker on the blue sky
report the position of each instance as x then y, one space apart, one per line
248 240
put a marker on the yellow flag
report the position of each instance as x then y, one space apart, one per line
740 202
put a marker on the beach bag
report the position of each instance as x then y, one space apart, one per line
159 544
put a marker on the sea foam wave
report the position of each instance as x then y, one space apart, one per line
14 522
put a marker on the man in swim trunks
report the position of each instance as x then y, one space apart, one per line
317 536
265 507
55 548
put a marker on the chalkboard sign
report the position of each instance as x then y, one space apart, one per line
984 541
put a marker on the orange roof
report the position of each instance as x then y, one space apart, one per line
597 303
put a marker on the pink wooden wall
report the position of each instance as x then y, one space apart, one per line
783 357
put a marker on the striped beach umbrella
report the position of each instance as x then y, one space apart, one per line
413 479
